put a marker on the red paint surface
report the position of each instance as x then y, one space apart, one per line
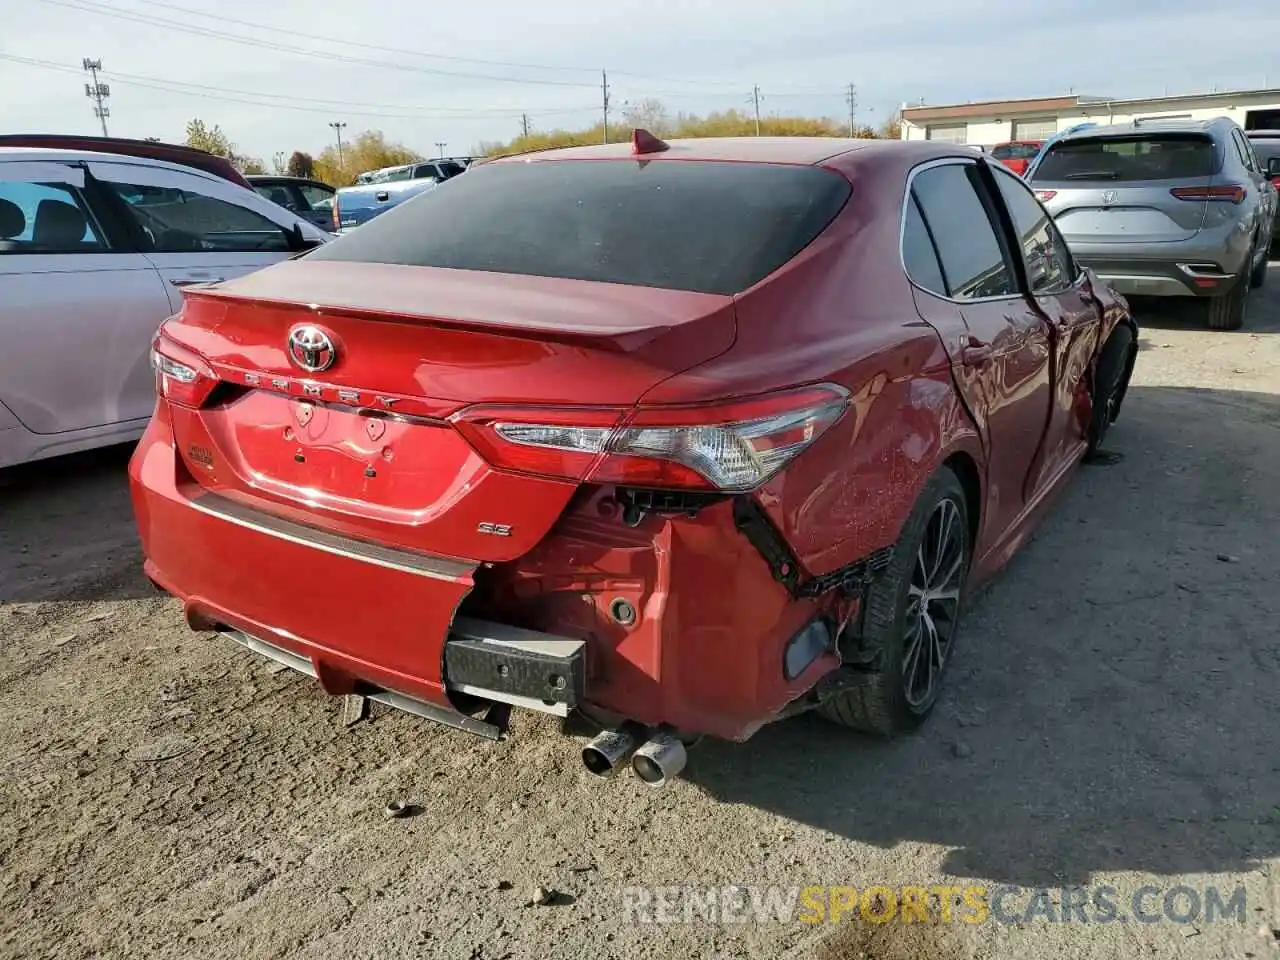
705 652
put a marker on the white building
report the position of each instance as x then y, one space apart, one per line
997 121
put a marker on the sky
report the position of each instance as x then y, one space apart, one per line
273 74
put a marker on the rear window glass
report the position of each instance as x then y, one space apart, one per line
702 226
1150 157
1015 151
1265 149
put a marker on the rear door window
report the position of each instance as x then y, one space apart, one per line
45 218
918 254
1044 252
969 249
704 226
1169 156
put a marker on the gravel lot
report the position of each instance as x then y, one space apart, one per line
1111 719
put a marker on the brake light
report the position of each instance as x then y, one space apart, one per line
1275 182
182 375
1044 196
734 446
1231 192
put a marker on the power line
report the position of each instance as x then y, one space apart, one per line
97 92
365 46
87 6
228 94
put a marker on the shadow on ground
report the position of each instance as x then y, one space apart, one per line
67 530
1113 705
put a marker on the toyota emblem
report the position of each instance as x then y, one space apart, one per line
311 349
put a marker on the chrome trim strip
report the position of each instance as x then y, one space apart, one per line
437 568
398 701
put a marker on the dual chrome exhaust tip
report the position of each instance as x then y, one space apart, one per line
656 761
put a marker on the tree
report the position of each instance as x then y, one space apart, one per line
366 151
301 165
891 129
652 116
648 114
210 139
248 165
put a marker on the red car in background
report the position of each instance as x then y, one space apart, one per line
1017 154
685 438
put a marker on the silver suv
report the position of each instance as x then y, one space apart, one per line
1163 208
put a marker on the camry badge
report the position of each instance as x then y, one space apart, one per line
311 349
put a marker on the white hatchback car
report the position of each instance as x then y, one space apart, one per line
95 249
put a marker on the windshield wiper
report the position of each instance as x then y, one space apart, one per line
1093 175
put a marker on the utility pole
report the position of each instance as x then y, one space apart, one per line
604 91
337 127
755 98
851 98
97 92
441 144
524 124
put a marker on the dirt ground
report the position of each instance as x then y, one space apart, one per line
1111 719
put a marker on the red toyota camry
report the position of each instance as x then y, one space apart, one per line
685 438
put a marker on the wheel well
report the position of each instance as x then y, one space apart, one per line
962 465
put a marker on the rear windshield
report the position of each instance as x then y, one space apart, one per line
1141 157
1015 151
683 225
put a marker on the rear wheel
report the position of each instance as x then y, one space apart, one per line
1109 383
1259 275
912 617
1226 311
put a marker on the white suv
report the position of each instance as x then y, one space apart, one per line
95 249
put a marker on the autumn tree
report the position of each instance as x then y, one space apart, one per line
301 165
369 150
211 139
652 116
648 114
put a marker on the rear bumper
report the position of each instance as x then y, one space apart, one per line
361 618
1176 277
706 656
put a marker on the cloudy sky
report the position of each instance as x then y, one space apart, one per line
274 73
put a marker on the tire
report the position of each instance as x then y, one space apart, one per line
1110 380
880 700
1226 311
1259 275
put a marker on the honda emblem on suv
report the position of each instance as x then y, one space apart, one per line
311 349
1109 197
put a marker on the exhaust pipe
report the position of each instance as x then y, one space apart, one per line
660 759
606 750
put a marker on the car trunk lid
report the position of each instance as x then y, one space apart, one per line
367 447
1122 189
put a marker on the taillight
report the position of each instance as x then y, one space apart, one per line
1230 192
734 446
1044 196
1275 182
181 374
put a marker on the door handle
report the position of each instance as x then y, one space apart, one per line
191 281
974 352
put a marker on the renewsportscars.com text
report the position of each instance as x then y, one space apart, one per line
973 904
